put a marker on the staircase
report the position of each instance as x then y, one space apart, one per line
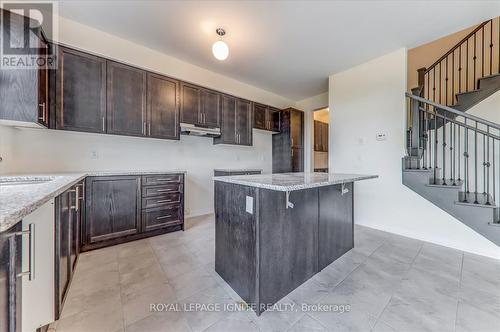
453 158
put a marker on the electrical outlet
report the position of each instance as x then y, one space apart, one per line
94 154
188 211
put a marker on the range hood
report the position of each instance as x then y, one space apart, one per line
196 130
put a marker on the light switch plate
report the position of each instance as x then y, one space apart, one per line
249 204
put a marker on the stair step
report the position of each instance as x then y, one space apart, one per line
448 185
470 199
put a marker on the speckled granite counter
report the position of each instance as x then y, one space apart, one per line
17 200
293 181
238 169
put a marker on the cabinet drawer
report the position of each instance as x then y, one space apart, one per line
161 190
163 200
161 217
152 180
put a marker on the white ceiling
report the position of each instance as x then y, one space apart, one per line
287 47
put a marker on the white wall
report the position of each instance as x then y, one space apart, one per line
308 105
366 100
6 149
38 150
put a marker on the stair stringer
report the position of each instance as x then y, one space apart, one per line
477 218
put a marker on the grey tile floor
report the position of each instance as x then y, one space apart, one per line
386 283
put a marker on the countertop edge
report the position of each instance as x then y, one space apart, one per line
292 187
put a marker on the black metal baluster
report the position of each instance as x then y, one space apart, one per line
440 82
484 164
446 83
491 46
453 77
466 162
482 48
488 167
452 152
459 173
434 84
460 69
474 62
435 147
494 172
444 148
476 163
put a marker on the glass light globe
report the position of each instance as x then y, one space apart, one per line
220 50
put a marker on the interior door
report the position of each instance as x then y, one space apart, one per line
126 96
190 104
244 122
228 128
210 106
163 107
81 92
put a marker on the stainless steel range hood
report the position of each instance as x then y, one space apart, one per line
194 130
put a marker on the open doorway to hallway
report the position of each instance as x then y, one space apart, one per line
320 134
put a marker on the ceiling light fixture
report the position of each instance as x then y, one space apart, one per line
220 48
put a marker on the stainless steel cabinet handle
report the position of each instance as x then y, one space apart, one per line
76 207
163 190
144 128
292 141
42 105
165 179
103 124
164 201
31 263
149 128
163 217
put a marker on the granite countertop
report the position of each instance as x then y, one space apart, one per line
20 199
238 169
293 181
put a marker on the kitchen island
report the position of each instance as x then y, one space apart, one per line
275 231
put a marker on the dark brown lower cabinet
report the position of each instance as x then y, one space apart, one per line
126 208
68 213
10 283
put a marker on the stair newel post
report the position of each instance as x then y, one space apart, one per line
415 130
476 163
444 148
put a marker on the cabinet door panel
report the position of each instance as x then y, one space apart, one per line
81 92
126 96
190 104
62 247
113 206
228 128
324 136
163 107
297 160
244 122
260 117
317 136
210 108
297 128
274 118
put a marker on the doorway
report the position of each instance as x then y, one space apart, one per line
320 143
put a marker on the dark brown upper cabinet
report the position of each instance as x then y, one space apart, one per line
23 91
126 100
244 122
266 117
190 104
236 126
210 108
81 92
162 107
200 106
